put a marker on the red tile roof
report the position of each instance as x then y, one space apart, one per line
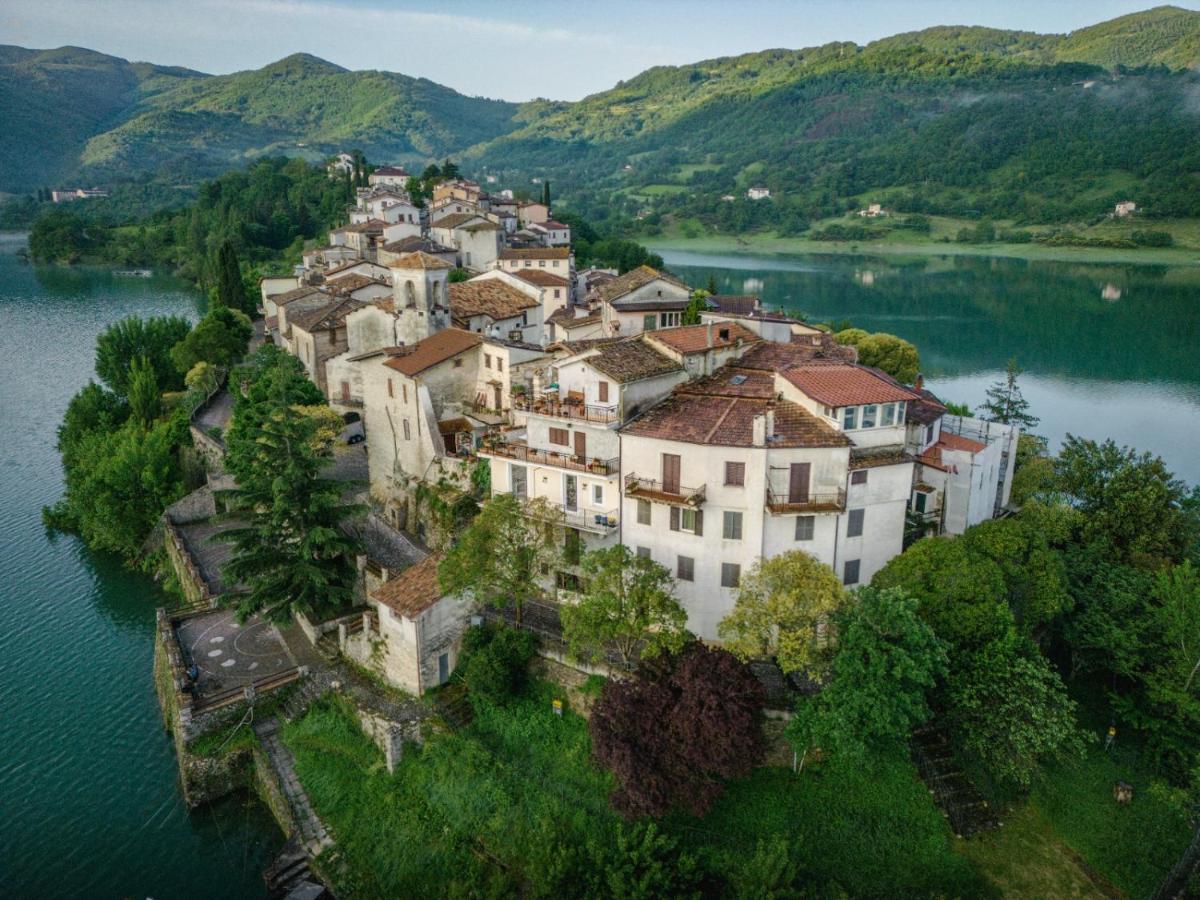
729 422
611 291
775 357
419 259
950 441
536 253
541 277
490 297
414 590
698 338
437 348
845 385
631 360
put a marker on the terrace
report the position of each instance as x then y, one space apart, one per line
674 494
783 502
517 449
572 407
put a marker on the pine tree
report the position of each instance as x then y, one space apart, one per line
145 400
231 291
712 285
546 195
1005 402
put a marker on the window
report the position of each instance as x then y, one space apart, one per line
557 293
390 393
804 527
685 568
649 322
541 263
850 573
500 362
404 391
689 520
598 494
671 319
858 477
889 414
732 526
870 414
487 360
559 436
849 418
643 552
928 434
518 479
643 512
900 409
602 391
407 435
567 581
458 363
731 575
735 474
528 263
854 524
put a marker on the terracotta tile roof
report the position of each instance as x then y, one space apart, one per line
550 225
536 253
871 457
298 294
580 345
775 357
367 226
541 277
482 226
566 317
631 360
419 259
925 410
949 441
414 590
612 291
437 348
414 243
454 220
321 318
394 171
701 418
733 381
488 297
699 338
845 385
352 282
737 304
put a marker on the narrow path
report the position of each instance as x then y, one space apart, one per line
311 832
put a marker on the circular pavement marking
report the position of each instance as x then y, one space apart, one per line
217 639
212 653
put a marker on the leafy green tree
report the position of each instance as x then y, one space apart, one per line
1006 404
231 290
220 338
961 594
1128 500
1009 711
120 343
642 863
627 606
1107 630
697 304
291 554
887 662
458 275
203 377
93 409
498 558
145 399
496 668
784 605
887 352
449 170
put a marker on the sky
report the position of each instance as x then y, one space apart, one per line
515 50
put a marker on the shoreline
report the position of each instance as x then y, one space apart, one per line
762 246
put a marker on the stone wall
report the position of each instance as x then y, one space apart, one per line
390 736
210 449
194 588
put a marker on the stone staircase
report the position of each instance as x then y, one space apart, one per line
290 878
316 685
454 706
955 794
311 834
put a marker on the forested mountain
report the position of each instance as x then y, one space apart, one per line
974 122
76 114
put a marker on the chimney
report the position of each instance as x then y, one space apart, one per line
759 431
708 335
770 423
919 384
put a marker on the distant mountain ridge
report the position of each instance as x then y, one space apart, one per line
77 116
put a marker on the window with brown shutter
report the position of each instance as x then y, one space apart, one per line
670 473
390 394
603 389
735 474
560 436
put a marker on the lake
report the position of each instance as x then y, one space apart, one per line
89 800
1108 350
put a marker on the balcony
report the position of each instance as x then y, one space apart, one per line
648 489
589 520
560 460
832 500
577 410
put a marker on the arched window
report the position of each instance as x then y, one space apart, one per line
410 294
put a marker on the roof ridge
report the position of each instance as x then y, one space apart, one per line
721 421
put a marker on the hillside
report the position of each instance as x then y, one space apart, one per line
95 118
961 121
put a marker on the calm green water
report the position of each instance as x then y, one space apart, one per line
89 803
1109 351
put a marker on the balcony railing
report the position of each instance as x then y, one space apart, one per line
551 405
781 502
563 460
650 489
589 520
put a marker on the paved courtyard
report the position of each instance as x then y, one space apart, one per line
208 554
230 655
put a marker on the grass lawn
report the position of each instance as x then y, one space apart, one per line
503 804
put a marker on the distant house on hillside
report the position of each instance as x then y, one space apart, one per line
873 211
394 176
759 193
1124 209
77 194
340 164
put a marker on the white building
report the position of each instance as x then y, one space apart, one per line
394 176
491 307
643 299
758 193
1125 209
477 239
552 233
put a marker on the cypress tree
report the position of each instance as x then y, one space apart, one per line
546 195
231 291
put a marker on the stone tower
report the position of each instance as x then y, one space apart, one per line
421 290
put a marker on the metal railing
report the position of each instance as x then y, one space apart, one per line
819 501
656 490
562 460
589 520
551 405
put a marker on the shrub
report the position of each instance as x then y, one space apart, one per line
497 664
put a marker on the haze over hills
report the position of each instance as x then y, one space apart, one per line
973 120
